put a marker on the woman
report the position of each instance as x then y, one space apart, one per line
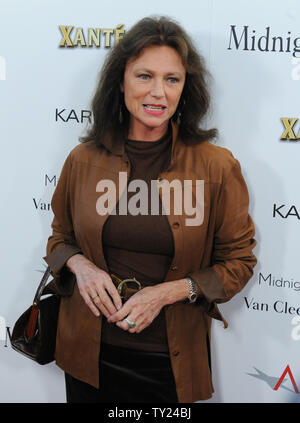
150 344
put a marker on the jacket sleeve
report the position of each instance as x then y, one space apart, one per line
62 243
232 259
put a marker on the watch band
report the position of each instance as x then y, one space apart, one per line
193 293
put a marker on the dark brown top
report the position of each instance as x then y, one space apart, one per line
133 249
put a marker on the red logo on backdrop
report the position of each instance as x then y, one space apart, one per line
288 371
274 382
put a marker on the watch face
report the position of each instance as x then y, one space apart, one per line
193 298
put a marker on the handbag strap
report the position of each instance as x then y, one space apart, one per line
32 320
41 286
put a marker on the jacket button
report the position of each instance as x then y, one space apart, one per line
176 225
175 353
174 268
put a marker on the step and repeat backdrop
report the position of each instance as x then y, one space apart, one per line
50 56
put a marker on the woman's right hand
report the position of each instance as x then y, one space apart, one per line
94 286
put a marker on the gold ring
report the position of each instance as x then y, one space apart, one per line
92 298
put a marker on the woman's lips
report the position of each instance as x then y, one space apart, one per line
154 109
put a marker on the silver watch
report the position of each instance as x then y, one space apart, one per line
193 293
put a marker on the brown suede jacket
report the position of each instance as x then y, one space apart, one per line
217 254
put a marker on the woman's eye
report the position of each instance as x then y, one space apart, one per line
144 76
173 80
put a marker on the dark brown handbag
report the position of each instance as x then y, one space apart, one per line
34 333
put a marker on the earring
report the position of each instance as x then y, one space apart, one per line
179 111
178 118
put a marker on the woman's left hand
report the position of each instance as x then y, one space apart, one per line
145 305
141 309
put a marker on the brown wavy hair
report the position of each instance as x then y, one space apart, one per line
108 106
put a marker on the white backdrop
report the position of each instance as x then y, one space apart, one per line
45 93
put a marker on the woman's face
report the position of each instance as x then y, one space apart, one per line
152 86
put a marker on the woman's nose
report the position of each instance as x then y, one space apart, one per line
157 88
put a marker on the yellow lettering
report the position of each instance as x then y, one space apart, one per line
119 33
107 33
66 31
79 38
94 37
288 125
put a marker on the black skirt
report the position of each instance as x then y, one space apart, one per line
127 375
